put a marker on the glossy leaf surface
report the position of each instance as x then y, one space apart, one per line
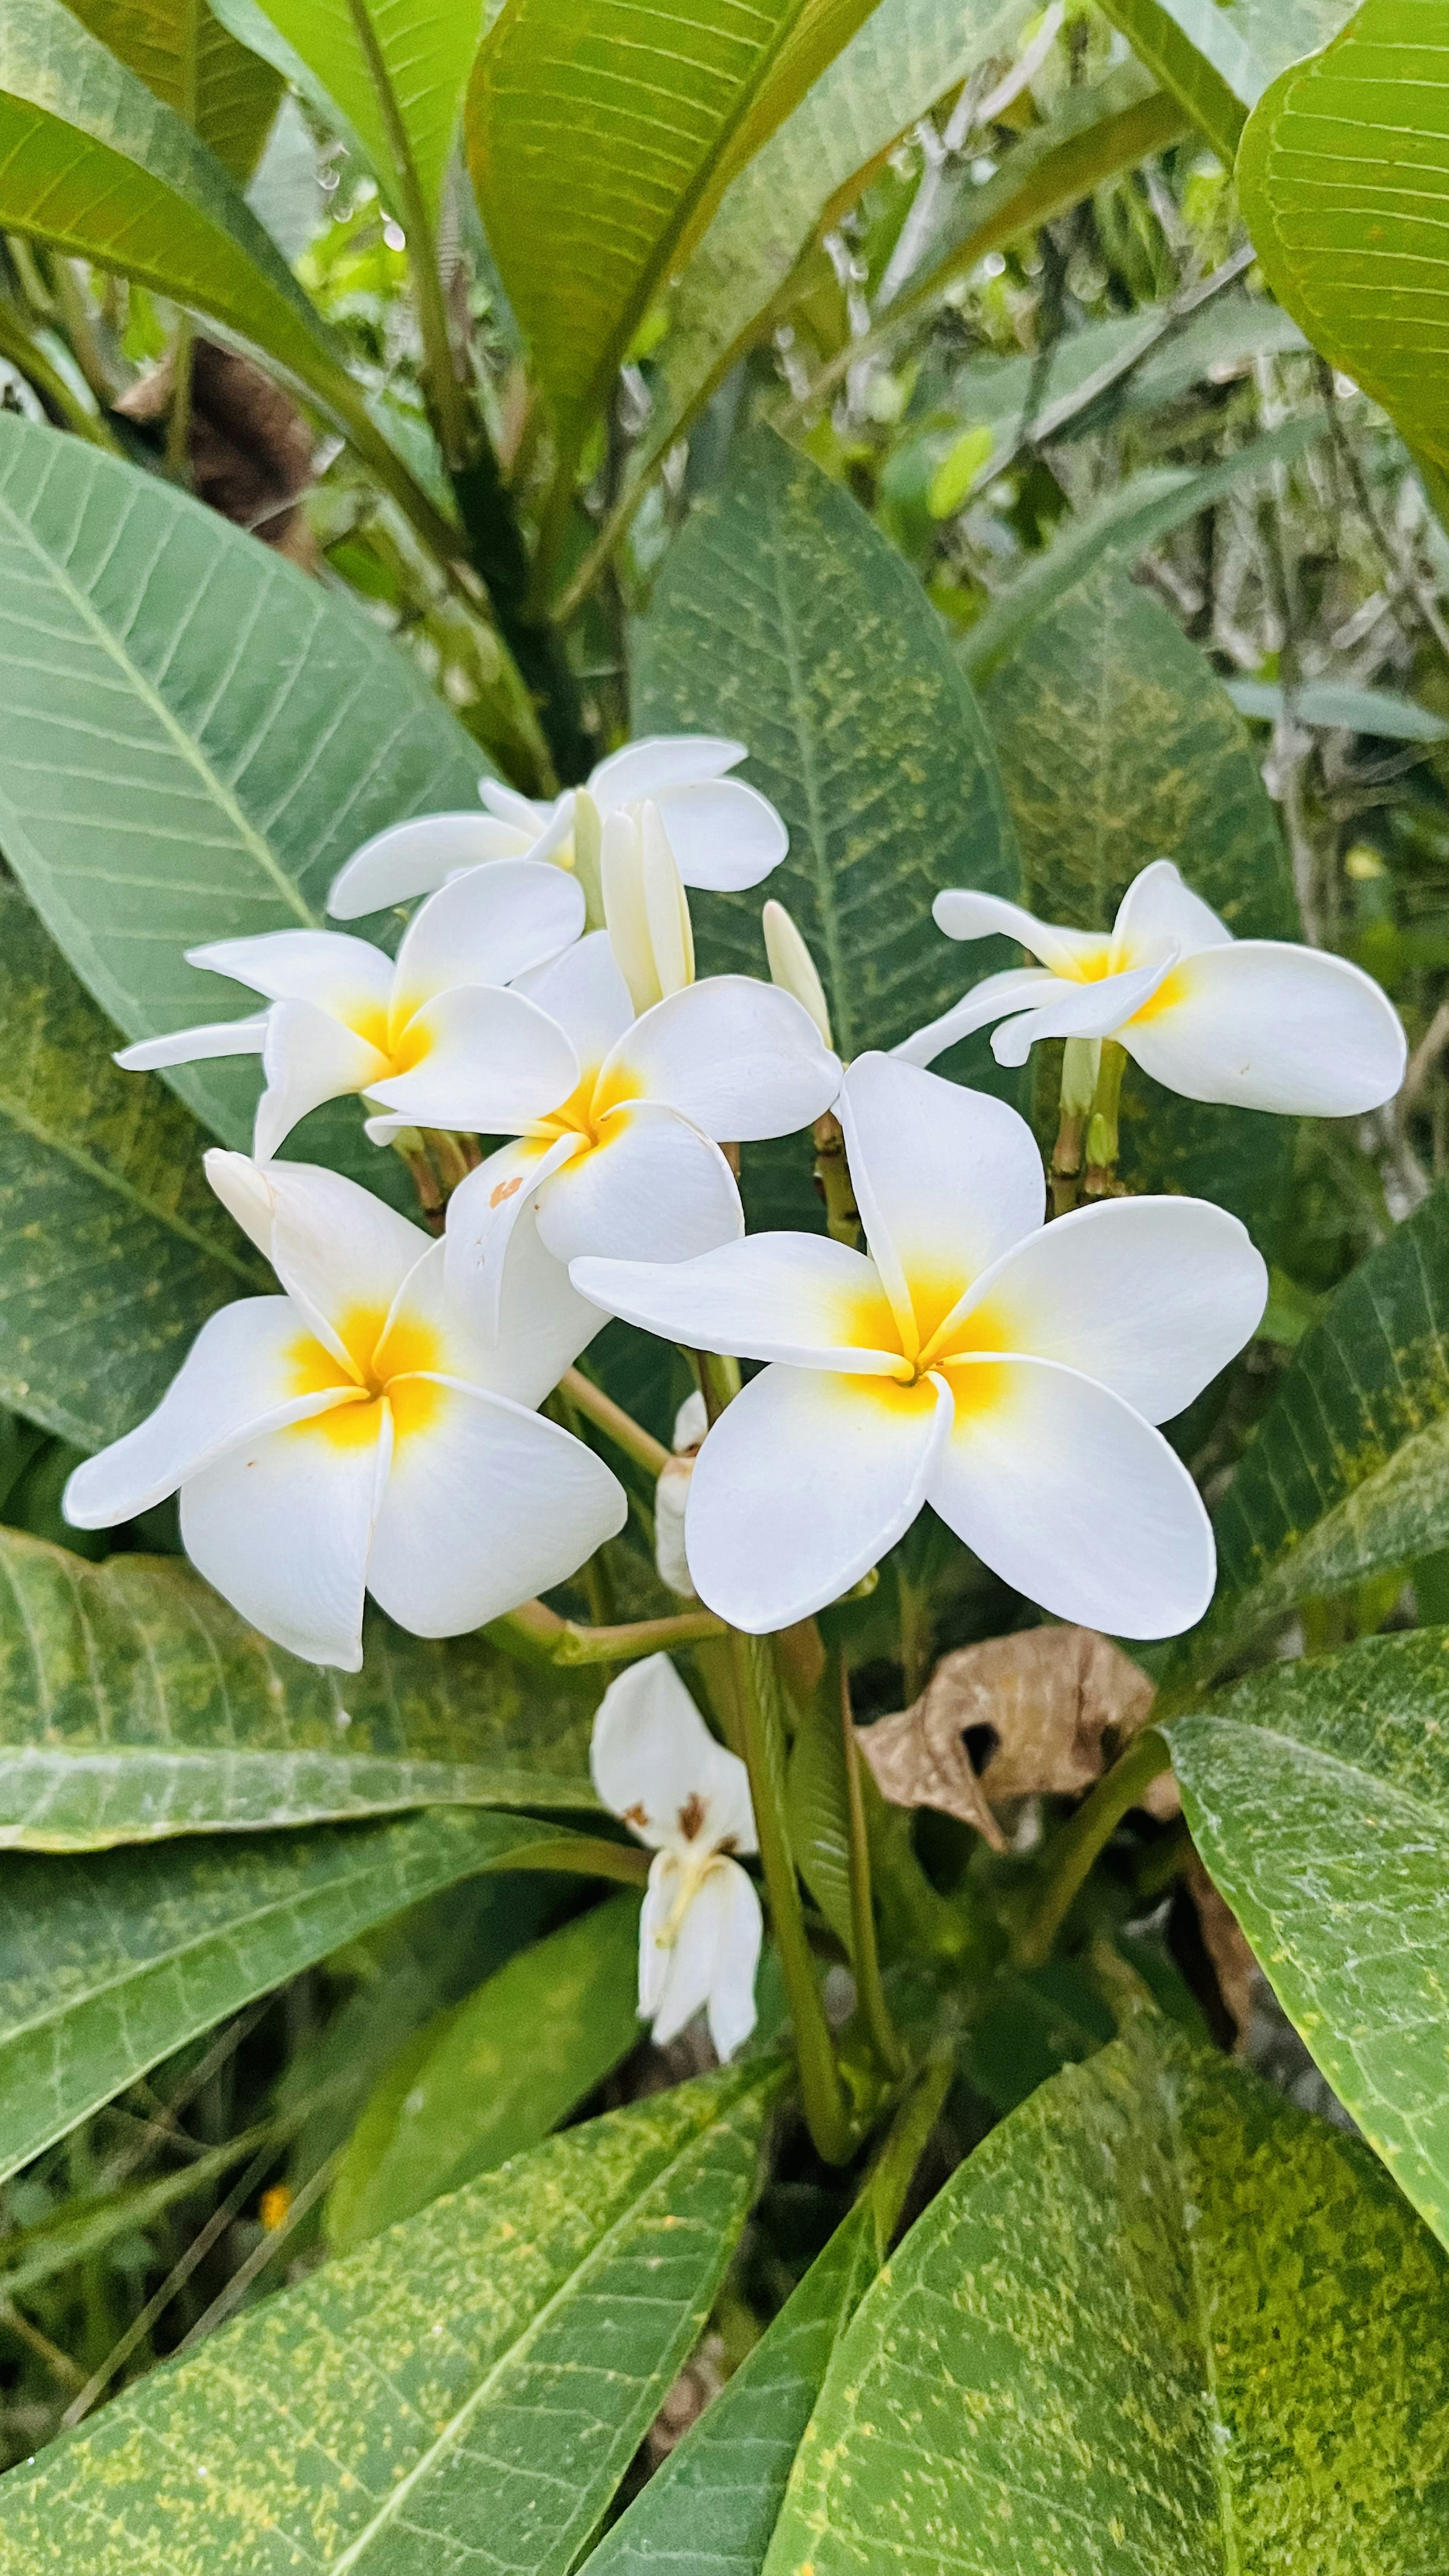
188 60
476 2380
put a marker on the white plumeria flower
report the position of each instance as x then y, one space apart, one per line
657 1766
627 1161
1253 1023
671 1496
1005 1372
724 835
414 1035
355 1435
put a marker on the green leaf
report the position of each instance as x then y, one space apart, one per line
1318 1795
493 2075
1348 1471
1117 743
469 2387
113 1251
907 56
1132 518
134 1704
1218 56
111 1961
256 729
599 145
782 615
82 2228
818 1813
1328 702
187 59
1134 2332
1343 179
711 2507
397 75
91 161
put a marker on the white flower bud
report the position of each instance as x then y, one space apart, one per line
671 1494
793 968
645 907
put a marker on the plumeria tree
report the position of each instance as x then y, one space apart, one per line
723 1667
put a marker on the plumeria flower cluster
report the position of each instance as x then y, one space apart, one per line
656 1766
1251 1023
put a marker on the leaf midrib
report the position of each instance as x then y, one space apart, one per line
1355 1778
602 2248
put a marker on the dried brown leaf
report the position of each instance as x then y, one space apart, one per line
1003 1720
249 449
1232 1961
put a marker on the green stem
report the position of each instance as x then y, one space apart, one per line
868 1987
893 2169
586 1856
821 2089
539 1636
832 1175
620 1427
1102 1137
60 399
1091 1828
178 419
719 1380
498 553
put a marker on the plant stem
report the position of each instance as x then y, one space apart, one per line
59 398
540 1636
620 1427
893 2170
1091 1828
719 1381
1102 1138
497 550
868 1987
178 418
832 1177
821 2089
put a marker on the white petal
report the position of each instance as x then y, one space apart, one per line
249 1366
483 1213
724 835
803 1484
660 760
945 1180
1266 1025
486 1505
655 1764
348 977
282 1528
1084 1010
740 1059
417 857
244 1191
965 915
493 1062
542 1323
652 1189
987 1001
531 814
1072 1498
584 991
308 1057
666 907
793 1297
690 1422
1149 1296
699 1968
671 1561
485 927
190 1046
737 1938
341 1254
1158 906
655 1949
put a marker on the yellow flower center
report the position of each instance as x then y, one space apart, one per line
385 1366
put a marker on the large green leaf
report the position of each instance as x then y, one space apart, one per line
396 74
493 2075
1344 179
1118 743
1136 2332
187 59
467 2389
908 54
197 737
1348 1471
783 616
711 2508
1218 56
112 1249
112 1960
599 140
1318 1795
134 1704
91 161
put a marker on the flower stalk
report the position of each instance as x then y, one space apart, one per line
874 2009
832 1179
1103 1144
1090 1830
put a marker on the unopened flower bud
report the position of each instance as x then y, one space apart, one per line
671 1495
645 907
793 968
587 849
1081 1063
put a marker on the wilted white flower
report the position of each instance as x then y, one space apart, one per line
724 835
657 1766
1006 1372
1253 1023
433 1037
355 1434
